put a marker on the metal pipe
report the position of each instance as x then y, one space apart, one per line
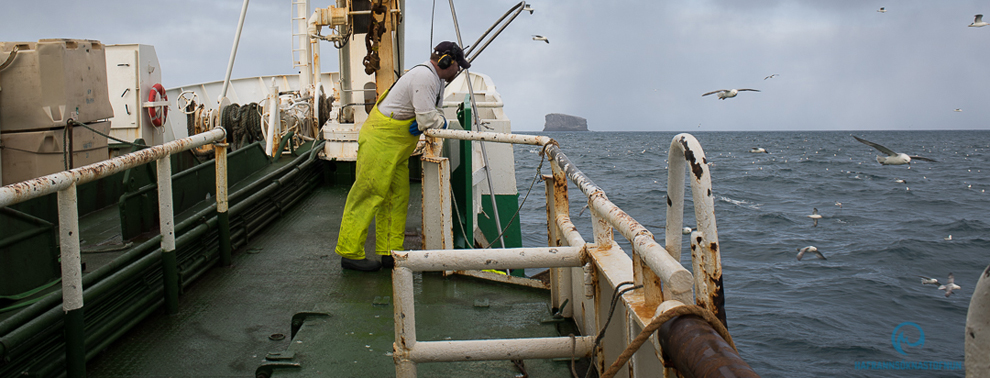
72 289
696 350
233 50
44 185
222 206
677 281
977 344
475 44
480 259
686 153
489 41
477 121
405 321
502 349
535 140
166 226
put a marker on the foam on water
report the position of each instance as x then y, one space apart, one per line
812 318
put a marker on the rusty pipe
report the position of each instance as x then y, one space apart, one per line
696 350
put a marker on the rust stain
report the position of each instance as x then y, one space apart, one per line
699 240
669 203
709 192
714 247
697 167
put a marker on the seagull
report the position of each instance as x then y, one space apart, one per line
811 249
528 8
900 181
540 38
978 22
686 231
729 93
814 215
928 281
948 237
949 286
882 10
758 150
771 76
839 204
957 110
893 158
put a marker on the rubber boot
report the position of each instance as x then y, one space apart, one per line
364 265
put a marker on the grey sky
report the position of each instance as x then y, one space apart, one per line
623 65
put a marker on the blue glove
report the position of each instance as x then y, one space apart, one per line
444 123
414 129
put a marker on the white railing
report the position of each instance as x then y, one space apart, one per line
585 275
64 183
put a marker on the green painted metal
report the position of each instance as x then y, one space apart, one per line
461 182
28 253
170 271
507 205
129 288
225 245
75 344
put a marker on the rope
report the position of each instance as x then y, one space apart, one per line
132 144
656 323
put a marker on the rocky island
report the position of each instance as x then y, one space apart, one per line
564 122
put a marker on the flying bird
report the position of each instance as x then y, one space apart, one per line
928 281
839 204
978 22
882 10
771 76
811 249
892 158
729 93
540 38
528 8
950 286
814 215
957 110
948 237
758 150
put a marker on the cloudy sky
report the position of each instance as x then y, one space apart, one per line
626 65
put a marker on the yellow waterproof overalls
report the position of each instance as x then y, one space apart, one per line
381 186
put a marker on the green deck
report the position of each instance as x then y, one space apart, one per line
227 318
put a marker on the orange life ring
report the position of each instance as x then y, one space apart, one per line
157 119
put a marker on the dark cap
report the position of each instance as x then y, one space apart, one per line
448 47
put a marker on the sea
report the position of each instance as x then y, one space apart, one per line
863 312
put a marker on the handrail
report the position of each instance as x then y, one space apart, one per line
65 183
686 153
44 185
667 284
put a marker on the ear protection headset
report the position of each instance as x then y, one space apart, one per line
445 60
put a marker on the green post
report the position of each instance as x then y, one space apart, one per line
75 345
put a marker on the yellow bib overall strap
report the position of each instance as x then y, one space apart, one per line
381 186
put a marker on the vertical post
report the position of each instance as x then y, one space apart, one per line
385 76
560 278
72 289
233 50
170 267
274 119
405 322
223 217
305 56
438 229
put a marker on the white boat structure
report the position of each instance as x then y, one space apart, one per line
636 313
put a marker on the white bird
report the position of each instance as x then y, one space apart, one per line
900 181
928 281
978 22
839 204
948 237
957 110
528 8
771 76
811 249
758 150
950 286
729 93
892 158
814 215
540 38
686 231
882 10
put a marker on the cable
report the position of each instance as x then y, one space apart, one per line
615 299
543 158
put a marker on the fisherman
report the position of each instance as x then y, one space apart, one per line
387 138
